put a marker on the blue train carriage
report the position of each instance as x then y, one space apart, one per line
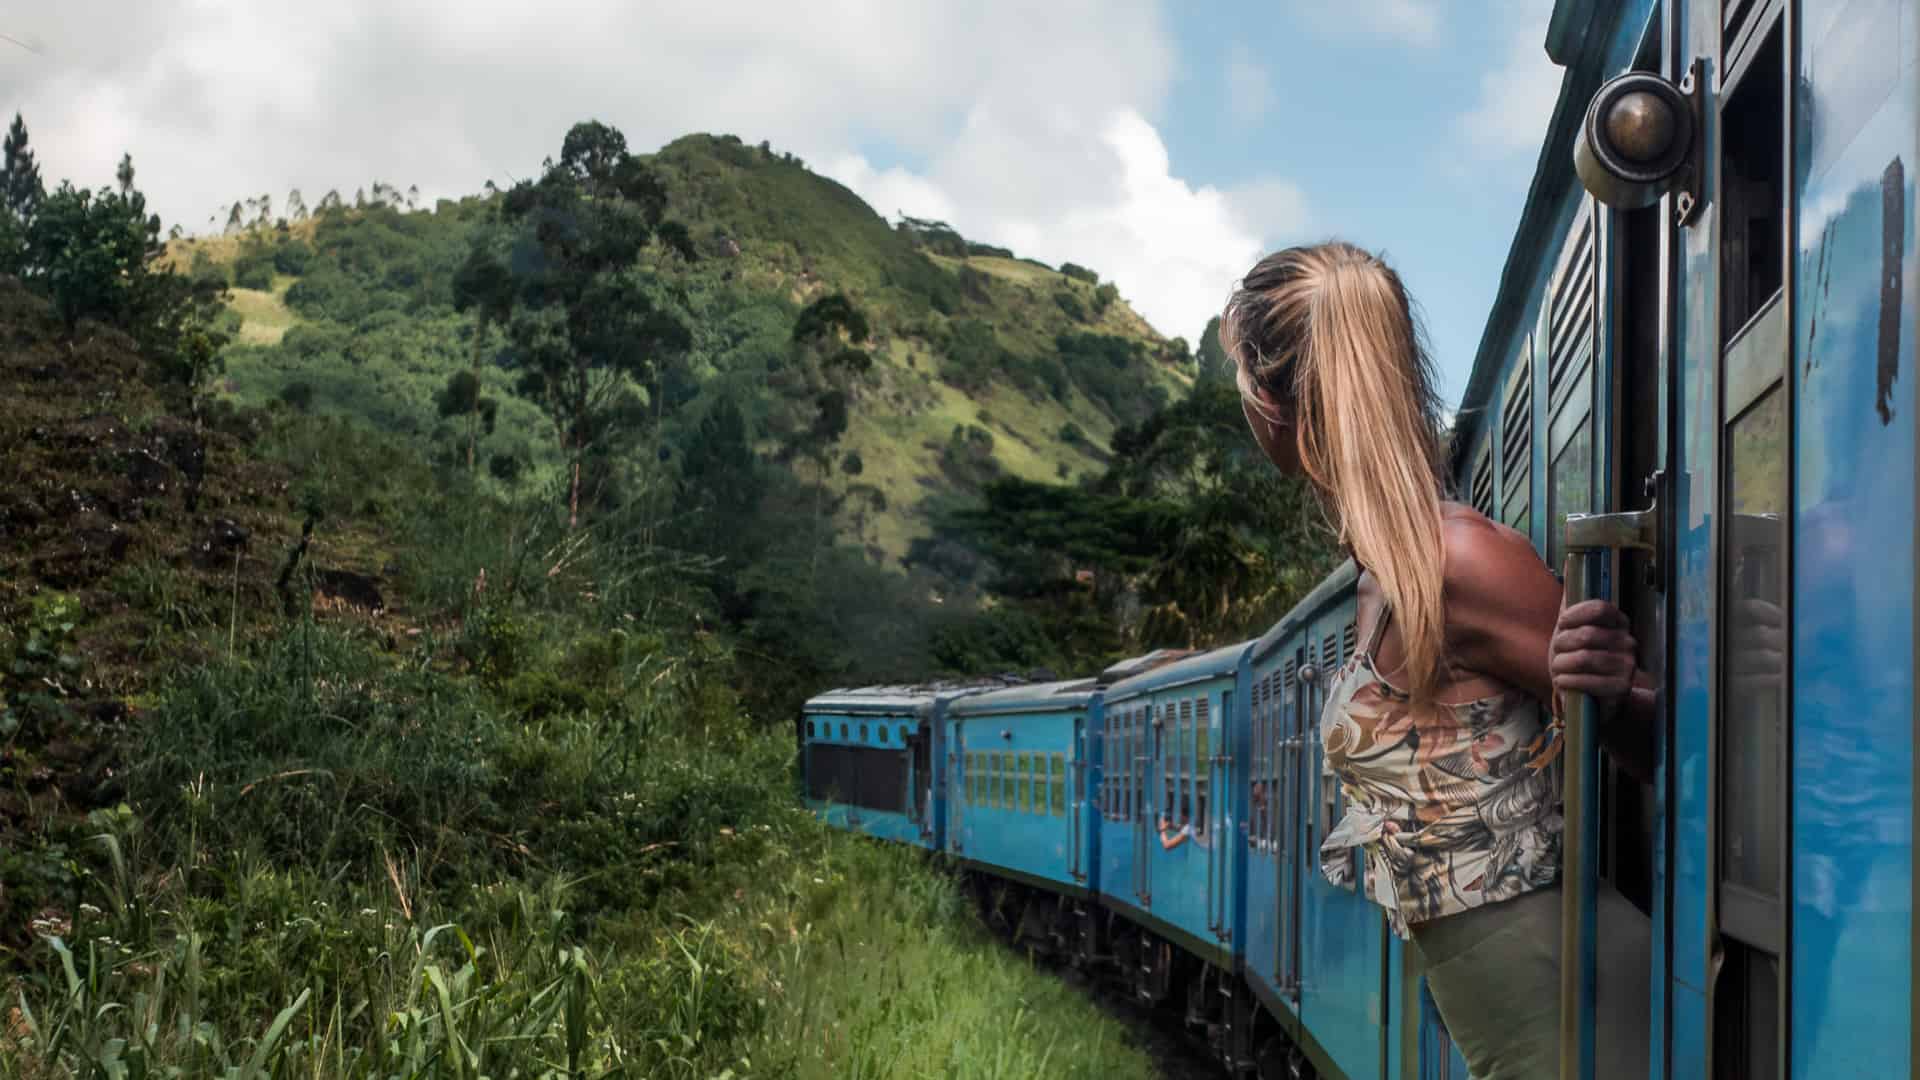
869 756
1697 393
1019 762
1318 955
1172 747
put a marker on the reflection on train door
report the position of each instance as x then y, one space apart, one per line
1748 1000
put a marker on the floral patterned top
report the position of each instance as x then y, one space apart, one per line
1452 806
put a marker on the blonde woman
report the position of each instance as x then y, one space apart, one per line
1439 727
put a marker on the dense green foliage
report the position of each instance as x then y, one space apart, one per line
512 819
1189 531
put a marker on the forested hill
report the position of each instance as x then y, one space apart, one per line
979 364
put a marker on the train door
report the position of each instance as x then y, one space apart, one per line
920 744
1077 801
1215 756
959 788
1297 858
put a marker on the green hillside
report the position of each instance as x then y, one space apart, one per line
984 364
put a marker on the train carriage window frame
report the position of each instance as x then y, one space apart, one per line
1569 325
1057 790
1515 474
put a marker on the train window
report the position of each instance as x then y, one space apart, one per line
1757 464
1570 491
1059 785
1516 443
882 732
1482 485
809 729
1567 329
1203 768
843 731
1752 191
863 733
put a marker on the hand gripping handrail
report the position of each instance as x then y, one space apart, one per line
1590 539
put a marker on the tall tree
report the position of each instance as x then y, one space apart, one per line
124 174
815 389
296 206
20 187
584 321
1210 360
484 286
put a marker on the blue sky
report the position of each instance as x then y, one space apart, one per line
1166 145
1408 143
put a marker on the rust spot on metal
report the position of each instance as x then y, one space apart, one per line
1893 233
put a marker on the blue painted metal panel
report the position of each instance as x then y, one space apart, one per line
1853 536
1024 833
1010 818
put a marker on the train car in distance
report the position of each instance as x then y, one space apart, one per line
869 757
1017 805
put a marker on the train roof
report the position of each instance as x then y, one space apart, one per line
1127 669
1206 665
1063 696
903 698
1324 593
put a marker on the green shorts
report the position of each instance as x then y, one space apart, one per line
1494 973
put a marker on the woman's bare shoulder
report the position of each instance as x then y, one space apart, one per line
1486 558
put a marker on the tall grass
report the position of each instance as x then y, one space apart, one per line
339 861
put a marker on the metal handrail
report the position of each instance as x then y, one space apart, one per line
1590 539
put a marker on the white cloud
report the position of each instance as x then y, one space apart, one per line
1249 89
1518 91
1411 22
1027 125
1110 202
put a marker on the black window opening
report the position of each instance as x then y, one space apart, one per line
861 776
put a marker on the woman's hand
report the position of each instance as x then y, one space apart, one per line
1592 652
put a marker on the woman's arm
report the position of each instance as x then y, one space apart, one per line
1504 621
1168 843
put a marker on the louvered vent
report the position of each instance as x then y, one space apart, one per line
1483 479
1292 671
1570 334
1516 444
1329 653
1739 29
1201 712
1348 639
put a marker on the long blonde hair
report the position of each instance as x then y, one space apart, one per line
1329 333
